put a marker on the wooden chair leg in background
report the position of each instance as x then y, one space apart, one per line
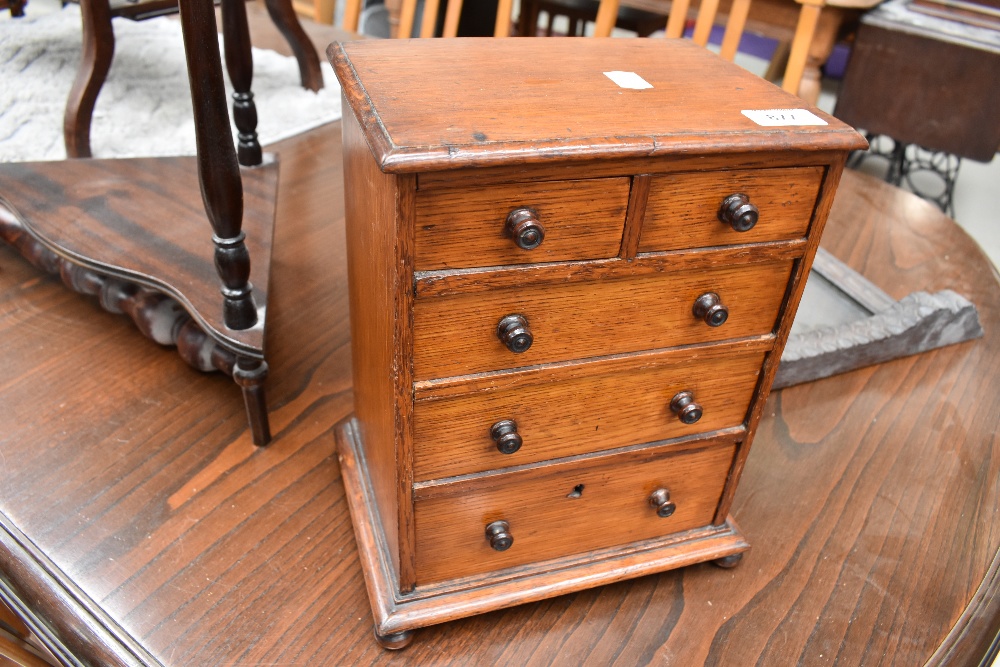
798 80
283 15
98 50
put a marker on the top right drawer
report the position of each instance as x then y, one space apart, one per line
683 209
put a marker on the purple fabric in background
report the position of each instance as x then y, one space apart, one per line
750 44
836 64
763 47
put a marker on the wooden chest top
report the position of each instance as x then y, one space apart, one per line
427 105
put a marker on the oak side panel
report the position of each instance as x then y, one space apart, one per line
402 370
370 199
601 407
548 520
456 335
464 227
682 211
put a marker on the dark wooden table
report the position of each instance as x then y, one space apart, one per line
932 86
925 80
140 525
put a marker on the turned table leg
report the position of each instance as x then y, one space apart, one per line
222 193
287 22
239 63
250 375
98 50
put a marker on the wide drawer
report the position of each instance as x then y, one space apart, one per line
683 209
467 227
566 509
579 408
457 334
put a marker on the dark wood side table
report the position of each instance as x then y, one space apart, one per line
143 527
99 49
926 82
124 230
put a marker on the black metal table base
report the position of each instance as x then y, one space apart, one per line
930 175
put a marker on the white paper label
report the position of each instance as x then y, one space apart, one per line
783 117
629 80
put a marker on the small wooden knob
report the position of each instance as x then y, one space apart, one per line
504 433
737 212
498 533
685 408
709 307
523 226
514 333
660 501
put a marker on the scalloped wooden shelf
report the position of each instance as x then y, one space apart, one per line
142 221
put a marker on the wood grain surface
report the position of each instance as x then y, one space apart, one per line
612 508
464 227
682 210
580 408
456 335
88 210
513 78
376 284
139 522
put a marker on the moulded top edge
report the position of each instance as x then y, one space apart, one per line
437 104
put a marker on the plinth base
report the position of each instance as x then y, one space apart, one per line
397 614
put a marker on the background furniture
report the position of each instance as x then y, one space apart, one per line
156 531
402 13
99 48
127 231
929 82
16 7
810 33
581 12
806 30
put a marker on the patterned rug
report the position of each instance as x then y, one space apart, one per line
144 108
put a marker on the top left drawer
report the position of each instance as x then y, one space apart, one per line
501 224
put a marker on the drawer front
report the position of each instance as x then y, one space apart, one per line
547 521
457 335
467 227
581 409
683 209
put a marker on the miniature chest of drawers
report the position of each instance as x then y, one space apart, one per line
568 301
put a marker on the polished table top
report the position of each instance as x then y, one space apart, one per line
141 525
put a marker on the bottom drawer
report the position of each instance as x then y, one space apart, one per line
566 508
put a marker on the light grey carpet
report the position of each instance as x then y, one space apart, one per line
144 108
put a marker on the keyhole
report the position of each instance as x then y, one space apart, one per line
577 491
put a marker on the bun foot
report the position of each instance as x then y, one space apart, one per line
394 641
729 561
